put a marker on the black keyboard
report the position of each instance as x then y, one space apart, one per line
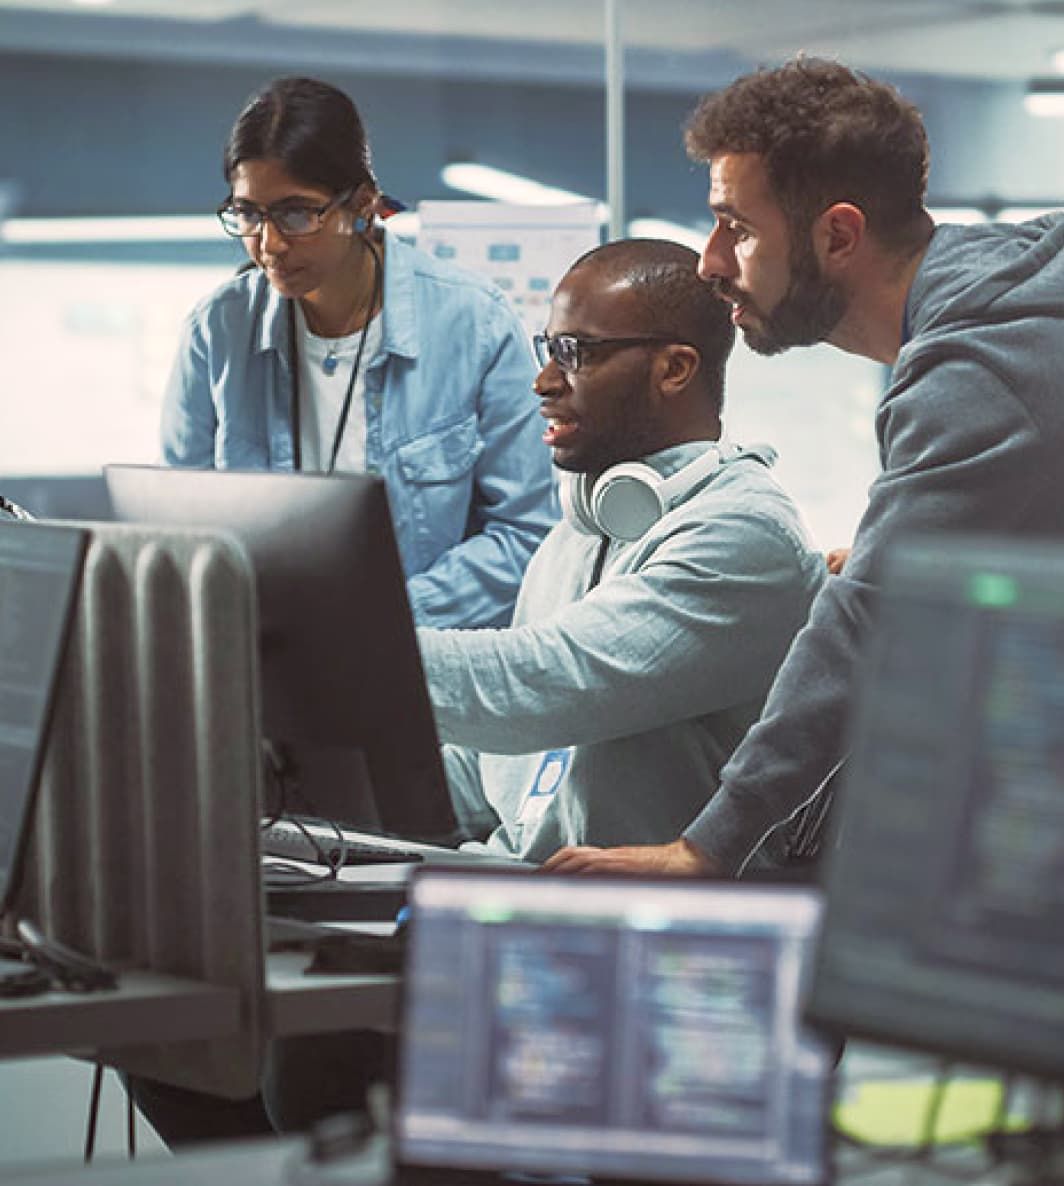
283 839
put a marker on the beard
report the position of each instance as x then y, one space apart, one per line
625 425
806 313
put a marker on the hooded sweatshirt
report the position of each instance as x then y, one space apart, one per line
971 438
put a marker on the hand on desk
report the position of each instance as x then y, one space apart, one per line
676 859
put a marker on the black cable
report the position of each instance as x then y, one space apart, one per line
926 1144
280 770
70 969
131 1125
94 1111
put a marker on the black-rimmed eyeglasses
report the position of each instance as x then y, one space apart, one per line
569 351
241 219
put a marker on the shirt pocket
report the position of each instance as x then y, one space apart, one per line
440 457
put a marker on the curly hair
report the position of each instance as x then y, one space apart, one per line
826 134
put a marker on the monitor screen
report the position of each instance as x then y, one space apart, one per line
610 1028
40 566
344 702
945 921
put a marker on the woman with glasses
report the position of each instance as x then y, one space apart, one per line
342 349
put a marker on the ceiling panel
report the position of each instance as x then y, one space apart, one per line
975 38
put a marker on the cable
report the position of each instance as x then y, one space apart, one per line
281 771
131 1125
94 1111
934 1109
68 968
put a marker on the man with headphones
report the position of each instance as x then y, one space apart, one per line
652 619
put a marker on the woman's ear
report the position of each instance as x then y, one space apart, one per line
364 206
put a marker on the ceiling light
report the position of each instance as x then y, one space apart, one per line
1045 96
194 228
965 215
487 182
660 228
1023 213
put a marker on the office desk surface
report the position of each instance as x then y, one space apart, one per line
285 1163
301 1004
145 1007
149 1008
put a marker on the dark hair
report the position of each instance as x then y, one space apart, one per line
311 128
826 134
674 301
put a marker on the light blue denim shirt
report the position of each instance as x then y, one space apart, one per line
451 423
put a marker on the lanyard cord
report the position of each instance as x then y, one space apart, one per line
341 424
600 562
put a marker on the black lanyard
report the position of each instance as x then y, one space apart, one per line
600 562
345 410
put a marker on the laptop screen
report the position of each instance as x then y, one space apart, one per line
610 1028
946 896
39 569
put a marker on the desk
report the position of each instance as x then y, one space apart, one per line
148 1007
300 1004
283 1163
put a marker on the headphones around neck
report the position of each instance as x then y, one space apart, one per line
628 499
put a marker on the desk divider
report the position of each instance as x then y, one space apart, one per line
145 851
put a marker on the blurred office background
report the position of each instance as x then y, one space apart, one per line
115 112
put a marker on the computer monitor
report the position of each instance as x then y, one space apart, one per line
343 692
944 928
40 567
609 1028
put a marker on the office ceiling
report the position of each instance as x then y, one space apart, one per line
989 39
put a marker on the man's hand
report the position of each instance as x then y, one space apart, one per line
678 858
836 560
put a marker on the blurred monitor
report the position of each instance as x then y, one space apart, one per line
608 1029
40 568
944 928
344 703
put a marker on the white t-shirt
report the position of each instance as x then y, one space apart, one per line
321 396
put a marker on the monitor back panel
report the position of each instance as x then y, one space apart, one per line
620 1029
40 567
946 890
343 691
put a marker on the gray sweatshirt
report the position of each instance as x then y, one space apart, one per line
604 716
971 437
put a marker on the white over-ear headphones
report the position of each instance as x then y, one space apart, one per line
628 499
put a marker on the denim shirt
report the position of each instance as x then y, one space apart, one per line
451 423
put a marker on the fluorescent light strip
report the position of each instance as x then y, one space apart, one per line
1044 103
196 228
1023 213
486 181
965 215
660 228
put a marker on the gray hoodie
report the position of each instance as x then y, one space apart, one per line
971 437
